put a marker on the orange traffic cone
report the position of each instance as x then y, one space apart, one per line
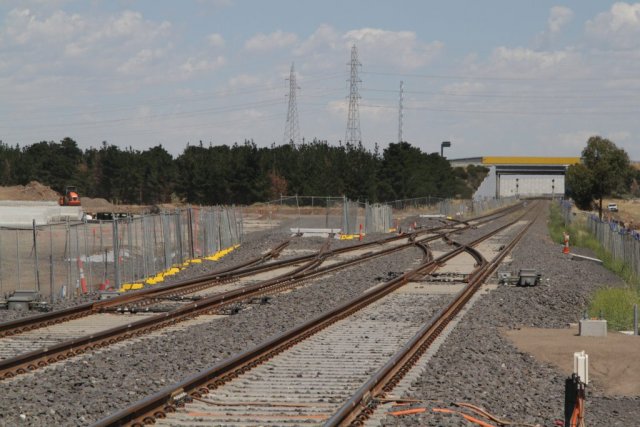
565 250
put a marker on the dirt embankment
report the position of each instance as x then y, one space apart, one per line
36 192
33 192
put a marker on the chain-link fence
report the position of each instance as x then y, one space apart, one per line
67 258
622 243
457 208
378 218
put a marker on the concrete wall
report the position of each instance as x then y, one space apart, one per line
15 213
531 185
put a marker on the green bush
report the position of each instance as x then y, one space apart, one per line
616 306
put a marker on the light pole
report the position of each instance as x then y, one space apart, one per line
444 144
597 158
517 187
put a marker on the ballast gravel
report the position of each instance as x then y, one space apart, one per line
477 365
85 390
253 246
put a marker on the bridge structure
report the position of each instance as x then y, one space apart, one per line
520 176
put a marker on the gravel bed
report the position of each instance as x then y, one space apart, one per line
478 365
255 245
78 393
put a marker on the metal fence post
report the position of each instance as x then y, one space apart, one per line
132 274
51 288
635 319
18 258
1 278
116 254
35 256
190 231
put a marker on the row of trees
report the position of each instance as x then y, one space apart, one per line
605 170
242 173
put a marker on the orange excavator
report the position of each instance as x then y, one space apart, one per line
70 197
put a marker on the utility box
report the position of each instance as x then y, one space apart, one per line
21 300
592 328
528 277
108 294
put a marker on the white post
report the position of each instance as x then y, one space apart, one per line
581 366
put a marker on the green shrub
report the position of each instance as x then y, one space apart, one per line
616 306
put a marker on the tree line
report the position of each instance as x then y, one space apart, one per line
238 174
604 170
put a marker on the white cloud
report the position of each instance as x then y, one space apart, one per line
140 61
266 42
618 28
216 40
22 26
199 65
464 88
559 16
324 37
244 80
401 48
520 62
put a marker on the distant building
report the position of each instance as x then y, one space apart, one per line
520 176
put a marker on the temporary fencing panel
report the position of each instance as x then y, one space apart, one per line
59 259
378 218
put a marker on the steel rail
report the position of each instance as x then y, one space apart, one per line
47 319
166 400
33 360
151 295
362 404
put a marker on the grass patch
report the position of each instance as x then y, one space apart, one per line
613 304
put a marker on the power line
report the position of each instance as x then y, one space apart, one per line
492 78
353 135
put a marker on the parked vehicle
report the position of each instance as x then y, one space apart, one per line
70 197
613 207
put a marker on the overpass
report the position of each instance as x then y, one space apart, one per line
520 176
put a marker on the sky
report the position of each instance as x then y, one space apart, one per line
497 77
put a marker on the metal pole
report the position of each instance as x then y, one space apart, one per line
635 319
145 255
132 276
67 254
1 284
35 256
51 278
18 257
116 254
86 251
190 231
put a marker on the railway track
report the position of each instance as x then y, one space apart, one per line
326 370
56 337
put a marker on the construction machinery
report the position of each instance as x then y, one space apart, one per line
70 197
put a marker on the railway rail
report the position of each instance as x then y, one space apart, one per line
337 399
70 335
33 343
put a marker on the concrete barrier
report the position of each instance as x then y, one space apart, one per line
16 213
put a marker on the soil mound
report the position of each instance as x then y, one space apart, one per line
33 191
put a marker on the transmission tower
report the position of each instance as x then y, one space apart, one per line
353 120
400 114
292 129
